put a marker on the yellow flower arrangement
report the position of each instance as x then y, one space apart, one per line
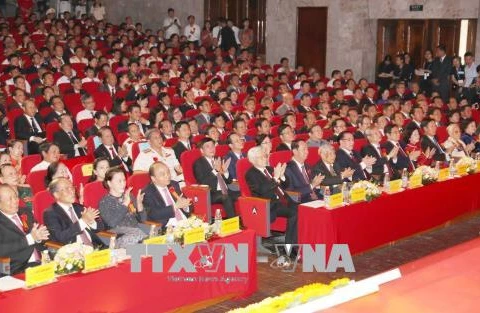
291 299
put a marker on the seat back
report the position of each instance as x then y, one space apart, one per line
359 143
29 161
81 173
137 146
114 121
36 180
91 87
221 150
313 156
243 165
138 181
103 101
70 163
51 129
279 157
85 124
187 159
41 201
12 116
93 193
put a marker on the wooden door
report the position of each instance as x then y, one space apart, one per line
312 38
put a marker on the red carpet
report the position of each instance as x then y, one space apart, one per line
445 282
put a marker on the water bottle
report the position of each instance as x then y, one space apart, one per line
111 245
346 192
45 257
437 166
386 182
169 237
452 168
218 220
152 231
404 178
326 196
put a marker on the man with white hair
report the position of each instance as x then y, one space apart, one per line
268 183
324 167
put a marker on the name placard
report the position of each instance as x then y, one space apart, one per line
194 235
478 166
87 169
230 226
443 174
358 195
97 260
395 186
415 181
40 275
462 170
335 200
157 240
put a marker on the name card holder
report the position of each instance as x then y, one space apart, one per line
462 170
40 275
358 195
98 260
157 240
443 174
194 235
415 181
230 226
395 186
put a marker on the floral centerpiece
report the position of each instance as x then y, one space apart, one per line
71 258
191 223
371 189
469 162
293 298
429 174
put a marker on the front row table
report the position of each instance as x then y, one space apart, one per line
117 289
390 217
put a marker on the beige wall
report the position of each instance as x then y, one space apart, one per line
352 27
151 13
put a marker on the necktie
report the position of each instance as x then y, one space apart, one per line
411 167
305 174
112 92
279 192
113 153
18 223
83 235
221 182
168 197
75 141
331 170
34 126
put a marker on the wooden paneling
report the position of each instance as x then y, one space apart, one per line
237 10
472 35
312 37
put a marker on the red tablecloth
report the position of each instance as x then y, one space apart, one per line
118 290
366 225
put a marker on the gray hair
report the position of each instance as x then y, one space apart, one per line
254 153
151 131
324 149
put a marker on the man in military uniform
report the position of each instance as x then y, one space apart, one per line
134 135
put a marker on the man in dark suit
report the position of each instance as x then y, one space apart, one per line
163 198
117 156
417 115
58 108
430 141
189 103
236 145
182 129
348 158
265 182
204 118
69 140
441 70
110 85
213 172
373 149
101 120
20 236
134 117
399 160
364 123
299 174
70 222
325 167
29 126
287 136
226 105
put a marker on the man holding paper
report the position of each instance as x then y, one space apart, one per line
20 235
163 199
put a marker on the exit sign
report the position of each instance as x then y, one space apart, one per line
416 7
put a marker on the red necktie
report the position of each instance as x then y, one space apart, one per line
18 223
279 192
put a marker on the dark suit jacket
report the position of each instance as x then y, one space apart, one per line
179 148
251 90
225 116
92 131
343 160
123 126
23 129
52 117
379 166
185 107
13 242
428 143
442 70
232 168
63 230
62 139
282 147
329 180
204 176
155 206
102 151
358 135
403 162
296 181
412 125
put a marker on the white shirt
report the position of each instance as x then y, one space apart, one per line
174 29
81 222
75 59
32 121
470 74
214 172
28 88
198 92
147 157
216 33
236 30
90 80
84 115
192 32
